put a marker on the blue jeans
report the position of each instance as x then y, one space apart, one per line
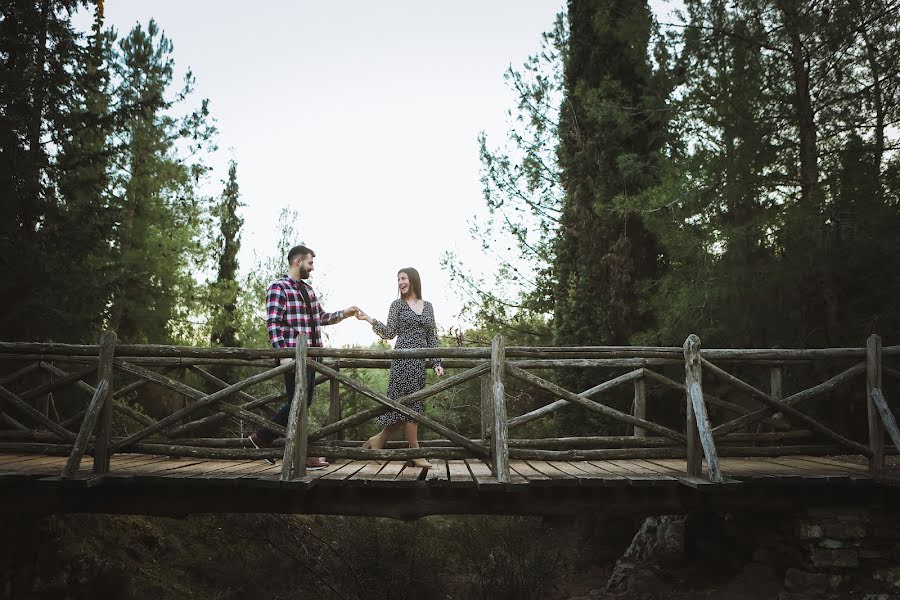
281 417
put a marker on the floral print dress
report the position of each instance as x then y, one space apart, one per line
412 330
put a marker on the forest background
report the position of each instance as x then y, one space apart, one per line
733 173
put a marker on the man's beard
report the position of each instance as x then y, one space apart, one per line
304 273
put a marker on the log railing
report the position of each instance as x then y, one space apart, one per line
725 420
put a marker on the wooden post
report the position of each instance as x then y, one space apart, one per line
487 408
334 409
293 465
87 427
104 426
692 375
776 387
640 405
499 441
873 381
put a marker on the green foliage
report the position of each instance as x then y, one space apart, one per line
223 294
775 222
159 212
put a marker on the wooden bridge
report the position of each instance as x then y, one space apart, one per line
68 441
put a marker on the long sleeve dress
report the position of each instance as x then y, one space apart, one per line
412 330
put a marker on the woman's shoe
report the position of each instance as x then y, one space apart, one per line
370 443
421 463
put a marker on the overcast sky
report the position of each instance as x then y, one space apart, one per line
363 117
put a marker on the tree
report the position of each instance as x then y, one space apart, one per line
77 226
224 291
612 132
159 213
38 54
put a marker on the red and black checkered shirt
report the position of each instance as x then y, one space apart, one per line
287 316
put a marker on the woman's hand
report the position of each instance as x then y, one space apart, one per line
361 315
439 371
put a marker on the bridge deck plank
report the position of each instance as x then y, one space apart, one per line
523 469
410 473
370 469
455 473
481 472
343 473
557 476
388 473
438 473
583 474
459 473
827 472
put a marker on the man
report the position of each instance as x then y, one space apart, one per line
291 309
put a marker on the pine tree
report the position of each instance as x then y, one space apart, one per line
612 131
78 227
38 53
159 213
224 291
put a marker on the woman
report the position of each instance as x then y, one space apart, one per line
411 321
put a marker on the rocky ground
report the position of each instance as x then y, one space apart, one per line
820 555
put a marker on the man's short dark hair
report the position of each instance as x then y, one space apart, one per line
300 250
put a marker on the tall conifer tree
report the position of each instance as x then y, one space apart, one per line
612 130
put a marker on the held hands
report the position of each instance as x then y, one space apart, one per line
362 316
349 312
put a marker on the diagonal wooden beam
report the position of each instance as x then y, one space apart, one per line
554 406
122 408
792 400
23 407
370 413
784 407
182 430
403 410
219 383
200 403
57 383
887 416
30 368
612 413
11 421
190 392
710 399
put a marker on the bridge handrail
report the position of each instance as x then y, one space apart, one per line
493 365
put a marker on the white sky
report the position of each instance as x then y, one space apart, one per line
361 115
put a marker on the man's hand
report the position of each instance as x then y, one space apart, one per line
349 312
286 360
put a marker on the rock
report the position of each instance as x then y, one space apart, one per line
660 539
812 584
889 576
842 557
644 582
808 531
844 531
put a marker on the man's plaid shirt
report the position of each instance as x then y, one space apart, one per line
287 316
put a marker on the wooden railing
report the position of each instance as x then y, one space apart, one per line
497 367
